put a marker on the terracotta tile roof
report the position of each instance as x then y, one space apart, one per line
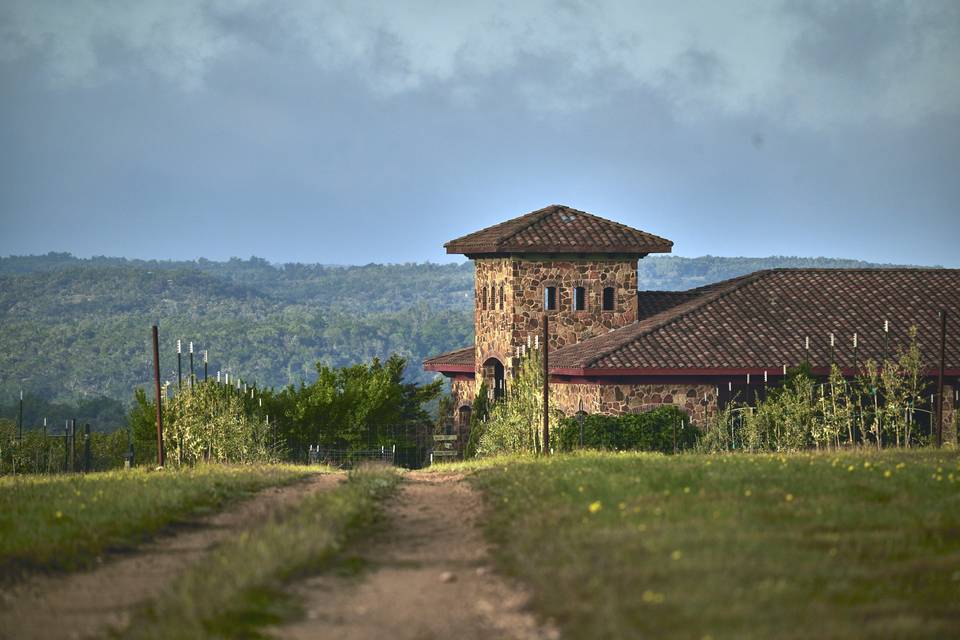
760 321
650 303
460 360
559 229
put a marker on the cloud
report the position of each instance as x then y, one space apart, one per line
810 64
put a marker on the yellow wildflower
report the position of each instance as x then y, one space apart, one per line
595 506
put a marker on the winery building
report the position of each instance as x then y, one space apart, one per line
617 350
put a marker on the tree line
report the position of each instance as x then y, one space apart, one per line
74 328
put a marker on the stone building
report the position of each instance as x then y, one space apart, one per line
617 350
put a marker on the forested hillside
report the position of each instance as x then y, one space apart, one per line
79 328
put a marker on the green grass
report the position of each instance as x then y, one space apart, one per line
853 545
239 588
64 522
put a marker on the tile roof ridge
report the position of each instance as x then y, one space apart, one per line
623 226
881 269
535 217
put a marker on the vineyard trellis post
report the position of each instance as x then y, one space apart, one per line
156 378
86 448
66 445
73 444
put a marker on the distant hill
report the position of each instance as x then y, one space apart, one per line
74 328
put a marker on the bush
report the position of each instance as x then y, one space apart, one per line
36 453
649 431
514 424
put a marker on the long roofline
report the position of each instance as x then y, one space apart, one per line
595 349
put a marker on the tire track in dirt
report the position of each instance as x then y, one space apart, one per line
90 603
427 576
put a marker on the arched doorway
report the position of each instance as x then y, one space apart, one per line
493 375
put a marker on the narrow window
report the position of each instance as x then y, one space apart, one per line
493 297
501 298
550 298
579 299
608 298
483 296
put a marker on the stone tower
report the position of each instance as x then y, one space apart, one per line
579 269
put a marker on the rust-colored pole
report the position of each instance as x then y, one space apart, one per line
546 385
156 378
943 358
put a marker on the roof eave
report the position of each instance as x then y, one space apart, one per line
774 371
452 248
448 368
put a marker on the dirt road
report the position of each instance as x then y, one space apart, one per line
426 576
81 605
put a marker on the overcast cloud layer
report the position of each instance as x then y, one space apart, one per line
357 132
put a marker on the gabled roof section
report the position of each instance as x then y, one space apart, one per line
459 361
760 321
559 229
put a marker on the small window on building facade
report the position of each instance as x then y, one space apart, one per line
579 299
608 299
501 298
550 298
483 298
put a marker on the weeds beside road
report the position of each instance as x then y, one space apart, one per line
65 522
853 545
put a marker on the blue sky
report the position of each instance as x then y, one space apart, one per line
355 132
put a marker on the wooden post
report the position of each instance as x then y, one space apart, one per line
73 444
943 358
546 385
156 378
86 448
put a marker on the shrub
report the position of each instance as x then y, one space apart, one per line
514 425
479 412
650 431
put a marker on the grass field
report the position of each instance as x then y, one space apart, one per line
239 588
66 521
853 545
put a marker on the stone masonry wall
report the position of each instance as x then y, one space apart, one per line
698 400
493 322
567 397
531 275
463 391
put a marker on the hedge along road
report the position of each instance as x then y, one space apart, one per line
89 603
426 574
